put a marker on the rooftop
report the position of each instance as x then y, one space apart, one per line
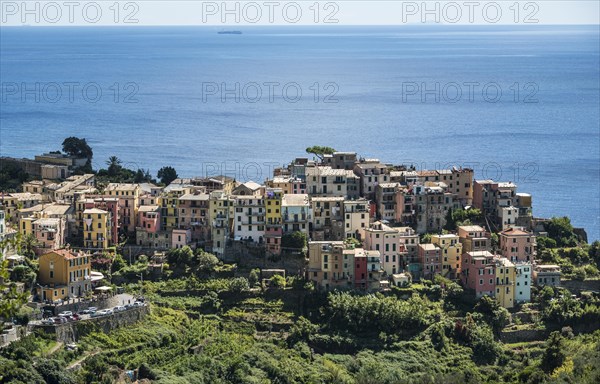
121 187
515 232
94 210
196 197
294 199
471 228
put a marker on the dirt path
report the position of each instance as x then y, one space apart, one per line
55 348
81 360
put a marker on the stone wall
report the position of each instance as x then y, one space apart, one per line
577 286
523 335
72 331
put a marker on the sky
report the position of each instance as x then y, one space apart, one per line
232 13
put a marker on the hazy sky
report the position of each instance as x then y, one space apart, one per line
232 13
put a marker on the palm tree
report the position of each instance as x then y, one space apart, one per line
113 161
114 165
28 245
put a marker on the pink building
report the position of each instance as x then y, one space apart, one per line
430 258
478 273
517 244
149 218
181 237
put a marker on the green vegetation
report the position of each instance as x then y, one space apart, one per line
12 177
79 148
320 151
561 231
167 175
294 335
458 217
117 173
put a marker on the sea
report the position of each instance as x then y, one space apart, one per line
515 103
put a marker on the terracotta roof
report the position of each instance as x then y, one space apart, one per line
67 253
515 231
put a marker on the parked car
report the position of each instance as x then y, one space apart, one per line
72 347
74 317
119 308
65 314
138 304
92 309
59 320
48 322
103 312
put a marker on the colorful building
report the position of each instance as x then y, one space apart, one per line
451 253
63 273
523 279
249 222
128 195
505 282
97 231
517 244
329 264
295 213
430 258
474 238
221 214
273 226
479 273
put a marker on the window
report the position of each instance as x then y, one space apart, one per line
51 274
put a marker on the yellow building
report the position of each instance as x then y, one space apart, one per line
63 273
273 231
505 282
128 195
169 212
221 214
97 231
451 250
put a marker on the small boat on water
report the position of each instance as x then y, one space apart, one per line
229 32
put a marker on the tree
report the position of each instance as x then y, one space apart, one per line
554 356
561 230
496 316
114 165
294 239
167 175
278 281
206 262
544 242
239 284
10 300
76 147
320 151
594 252
254 277
143 176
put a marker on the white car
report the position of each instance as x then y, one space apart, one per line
119 308
65 314
102 312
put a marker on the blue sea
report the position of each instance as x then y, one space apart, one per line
515 103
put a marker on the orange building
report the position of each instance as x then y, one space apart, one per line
64 273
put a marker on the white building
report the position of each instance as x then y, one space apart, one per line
356 218
295 213
249 223
523 282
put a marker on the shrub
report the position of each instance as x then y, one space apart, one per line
254 277
278 281
239 284
579 274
